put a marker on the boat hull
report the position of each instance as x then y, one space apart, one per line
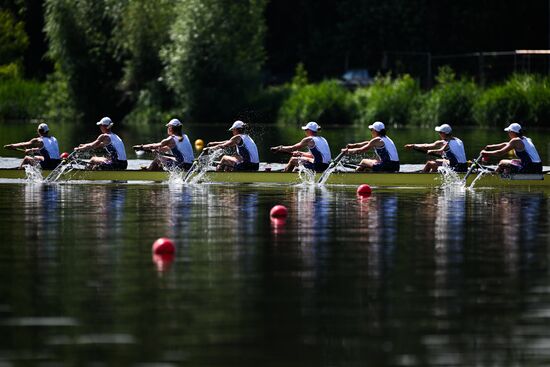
347 178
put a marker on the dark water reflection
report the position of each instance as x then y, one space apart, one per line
405 277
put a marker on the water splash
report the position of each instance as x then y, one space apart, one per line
33 173
175 177
204 165
330 170
306 176
449 178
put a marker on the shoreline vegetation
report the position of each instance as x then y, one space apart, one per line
396 100
221 60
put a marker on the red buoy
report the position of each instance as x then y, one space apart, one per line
164 246
364 190
64 155
163 261
278 211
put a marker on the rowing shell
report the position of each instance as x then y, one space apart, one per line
342 178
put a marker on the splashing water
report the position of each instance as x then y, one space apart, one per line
306 176
33 173
330 170
203 165
449 178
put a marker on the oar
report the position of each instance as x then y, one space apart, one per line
470 170
139 148
60 167
194 165
22 150
416 149
331 166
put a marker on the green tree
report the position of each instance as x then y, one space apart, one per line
141 30
13 43
214 60
81 45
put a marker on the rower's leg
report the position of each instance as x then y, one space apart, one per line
503 166
155 165
366 165
293 162
227 163
431 166
27 160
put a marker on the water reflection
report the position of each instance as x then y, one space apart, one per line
405 277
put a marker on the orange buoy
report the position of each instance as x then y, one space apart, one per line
164 246
64 155
278 211
364 190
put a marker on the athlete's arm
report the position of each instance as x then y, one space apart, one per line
515 143
291 148
102 141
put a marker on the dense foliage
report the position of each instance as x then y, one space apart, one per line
450 101
389 100
211 60
214 59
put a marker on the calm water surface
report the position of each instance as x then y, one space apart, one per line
404 278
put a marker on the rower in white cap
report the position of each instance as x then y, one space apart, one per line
383 146
318 157
449 147
116 155
246 159
529 160
176 143
44 148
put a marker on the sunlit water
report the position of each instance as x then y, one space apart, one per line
407 277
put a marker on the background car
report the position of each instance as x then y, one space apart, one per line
356 78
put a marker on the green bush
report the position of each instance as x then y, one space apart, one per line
522 98
389 100
538 97
327 103
21 99
450 101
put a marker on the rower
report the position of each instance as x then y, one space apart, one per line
177 143
246 159
383 146
449 147
529 160
116 155
44 148
318 157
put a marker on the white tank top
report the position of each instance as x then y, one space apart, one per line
388 151
51 146
118 146
456 149
184 148
321 150
248 149
530 149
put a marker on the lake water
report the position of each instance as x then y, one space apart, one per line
406 277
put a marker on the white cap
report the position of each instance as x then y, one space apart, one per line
445 128
515 128
105 122
174 122
237 125
378 126
312 125
43 127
